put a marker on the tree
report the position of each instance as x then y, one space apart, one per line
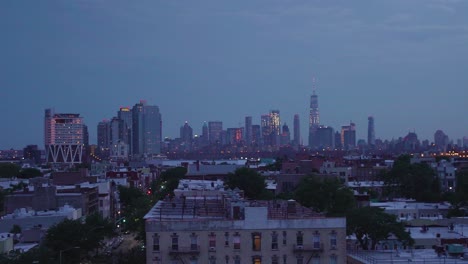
15 229
250 181
328 195
135 205
417 181
8 170
29 173
372 225
75 234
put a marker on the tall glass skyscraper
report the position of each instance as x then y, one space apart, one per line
146 129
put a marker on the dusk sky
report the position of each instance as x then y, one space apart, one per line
403 61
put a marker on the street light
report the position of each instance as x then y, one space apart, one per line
61 251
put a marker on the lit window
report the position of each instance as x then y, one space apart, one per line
256 260
236 241
212 241
256 241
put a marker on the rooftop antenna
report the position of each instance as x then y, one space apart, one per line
313 85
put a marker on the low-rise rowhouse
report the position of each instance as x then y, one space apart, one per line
225 228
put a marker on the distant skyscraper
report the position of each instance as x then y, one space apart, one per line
103 138
147 129
338 144
285 135
314 118
275 127
205 134
186 134
63 137
265 129
325 137
125 114
214 131
371 132
441 140
348 136
256 135
248 130
297 131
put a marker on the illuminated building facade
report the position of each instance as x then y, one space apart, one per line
64 137
314 121
214 131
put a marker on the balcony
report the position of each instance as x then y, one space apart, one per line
308 248
177 250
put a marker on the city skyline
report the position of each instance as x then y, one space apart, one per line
401 62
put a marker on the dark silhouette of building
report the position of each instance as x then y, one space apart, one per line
371 133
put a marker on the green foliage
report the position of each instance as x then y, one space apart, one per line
459 198
75 234
29 173
250 181
15 229
417 181
372 225
328 195
135 205
8 170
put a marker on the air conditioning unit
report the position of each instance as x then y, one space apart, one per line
333 247
212 248
300 247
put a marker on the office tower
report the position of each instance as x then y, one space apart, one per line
125 114
441 140
63 137
256 135
285 135
275 128
32 153
204 139
338 144
248 130
186 134
116 130
297 131
371 132
103 138
265 130
214 131
348 136
314 118
146 129
233 136
325 137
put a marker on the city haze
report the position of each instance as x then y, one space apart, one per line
403 62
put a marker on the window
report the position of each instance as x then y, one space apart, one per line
256 241
274 260
274 241
226 239
315 260
300 260
227 259
175 242
236 241
155 242
333 240
193 260
193 242
237 260
256 260
285 259
156 260
212 260
212 241
333 259
300 238
284 237
316 240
